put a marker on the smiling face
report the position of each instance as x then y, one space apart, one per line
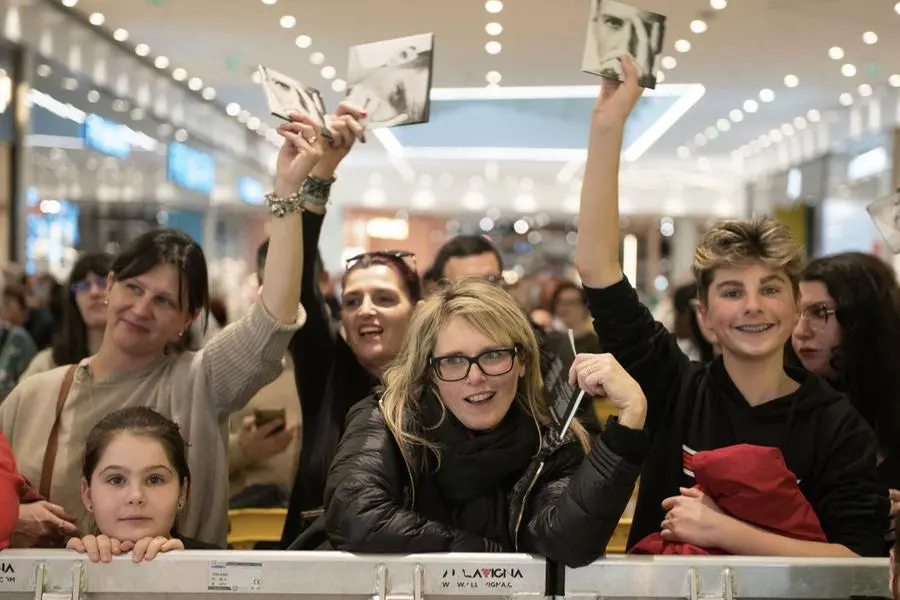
818 333
134 491
145 312
751 310
375 314
481 399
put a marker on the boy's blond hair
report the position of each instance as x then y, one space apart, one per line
736 243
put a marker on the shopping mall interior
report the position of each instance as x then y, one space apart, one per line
134 114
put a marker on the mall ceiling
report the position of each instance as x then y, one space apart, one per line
763 63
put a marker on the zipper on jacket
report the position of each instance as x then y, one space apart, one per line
534 479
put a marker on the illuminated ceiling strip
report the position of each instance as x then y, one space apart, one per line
395 152
664 123
546 92
485 153
63 142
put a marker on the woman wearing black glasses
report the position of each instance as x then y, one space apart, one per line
83 316
849 333
458 453
333 372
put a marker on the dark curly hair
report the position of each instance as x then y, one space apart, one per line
867 361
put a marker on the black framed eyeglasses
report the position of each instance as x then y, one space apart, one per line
85 284
493 363
397 255
817 315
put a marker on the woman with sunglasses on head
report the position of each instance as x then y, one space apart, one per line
157 286
333 371
83 316
849 333
458 452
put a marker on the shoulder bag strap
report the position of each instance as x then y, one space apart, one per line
53 441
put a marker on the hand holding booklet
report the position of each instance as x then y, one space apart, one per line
616 30
563 399
286 95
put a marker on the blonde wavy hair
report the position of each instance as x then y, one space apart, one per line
492 311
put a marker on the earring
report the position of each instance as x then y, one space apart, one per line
180 505
90 508
106 301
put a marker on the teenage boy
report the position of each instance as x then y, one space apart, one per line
747 276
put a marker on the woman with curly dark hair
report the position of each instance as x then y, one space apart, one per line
849 333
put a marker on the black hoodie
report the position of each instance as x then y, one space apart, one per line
693 407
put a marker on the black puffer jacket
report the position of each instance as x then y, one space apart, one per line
565 506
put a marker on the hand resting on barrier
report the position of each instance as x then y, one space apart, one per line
102 548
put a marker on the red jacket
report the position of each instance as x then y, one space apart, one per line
752 484
10 485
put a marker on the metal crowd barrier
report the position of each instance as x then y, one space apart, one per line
62 575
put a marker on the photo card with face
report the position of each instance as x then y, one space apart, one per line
391 80
885 213
286 95
616 30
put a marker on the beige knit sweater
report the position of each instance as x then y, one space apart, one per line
197 390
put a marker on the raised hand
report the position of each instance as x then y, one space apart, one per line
301 150
617 99
346 128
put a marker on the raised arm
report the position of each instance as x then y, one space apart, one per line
365 504
625 327
244 357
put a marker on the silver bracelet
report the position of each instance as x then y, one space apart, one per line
282 206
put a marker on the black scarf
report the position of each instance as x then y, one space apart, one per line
470 489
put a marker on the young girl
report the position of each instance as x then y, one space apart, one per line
135 484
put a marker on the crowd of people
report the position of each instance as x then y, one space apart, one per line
406 414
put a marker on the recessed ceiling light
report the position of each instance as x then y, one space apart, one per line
723 125
142 49
493 6
698 26
718 4
669 62
209 93
800 123
255 77
339 85
846 99
711 133
750 106
897 8
684 152
814 116
766 95
317 58
493 47
700 139
161 62
776 136
288 21
97 19
303 41
137 114
682 46
69 3
195 84
181 135
493 77
788 129
835 53
894 80
233 109
493 28
865 90
328 72
120 35
243 116
736 115
179 74
270 2
791 81
70 83
848 70
93 96
870 37
44 70
253 124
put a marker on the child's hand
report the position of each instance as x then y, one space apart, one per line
147 548
99 548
